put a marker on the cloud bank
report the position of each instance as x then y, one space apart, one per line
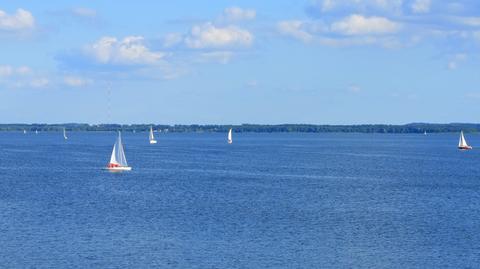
20 20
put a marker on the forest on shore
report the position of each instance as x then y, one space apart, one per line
258 128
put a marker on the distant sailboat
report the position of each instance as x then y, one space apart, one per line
24 131
65 134
118 162
230 140
462 144
425 133
36 131
151 137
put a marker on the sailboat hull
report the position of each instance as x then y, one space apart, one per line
153 141
465 148
119 168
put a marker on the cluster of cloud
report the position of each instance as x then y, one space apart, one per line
352 30
129 50
210 36
389 24
20 20
21 77
8 70
385 23
24 77
217 40
213 41
378 6
219 34
360 25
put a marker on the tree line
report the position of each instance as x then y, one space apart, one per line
259 128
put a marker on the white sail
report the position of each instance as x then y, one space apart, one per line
36 131
461 142
24 131
151 137
230 140
118 154
151 134
65 134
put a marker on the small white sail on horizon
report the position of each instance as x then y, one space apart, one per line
118 161
65 134
462 143
24 131
230 140
151 137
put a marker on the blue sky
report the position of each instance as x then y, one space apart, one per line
232 62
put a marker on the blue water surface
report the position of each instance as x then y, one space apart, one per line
266 201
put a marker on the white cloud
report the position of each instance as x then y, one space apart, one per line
222 57
76 81
210 36
21 77
129 50
84 12
294 28
8 70
351 34
387 5
360 25
238 14
21 20
421 6
468 21
172 39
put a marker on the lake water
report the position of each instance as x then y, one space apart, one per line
266 201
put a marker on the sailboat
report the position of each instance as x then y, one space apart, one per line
462 144
230 141
118 162
24 131
425 133
36 132
65 134
151 137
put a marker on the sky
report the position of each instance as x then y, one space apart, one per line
233 62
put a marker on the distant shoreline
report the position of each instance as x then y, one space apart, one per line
253 128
